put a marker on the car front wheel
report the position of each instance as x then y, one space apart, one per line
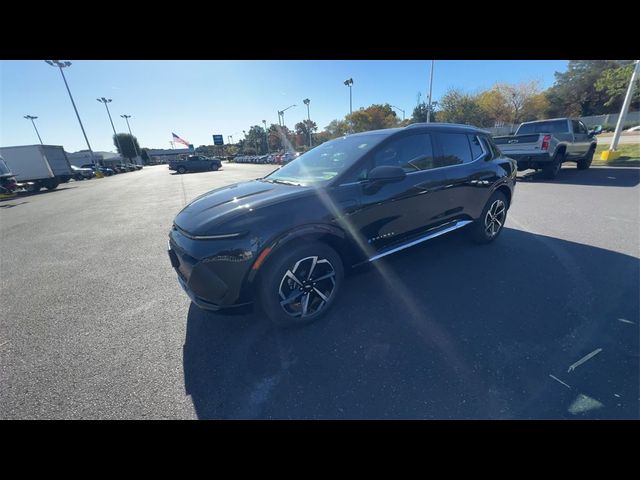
487 228
181 170
300 284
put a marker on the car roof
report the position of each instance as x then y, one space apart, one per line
433 126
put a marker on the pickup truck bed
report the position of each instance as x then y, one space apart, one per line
546 144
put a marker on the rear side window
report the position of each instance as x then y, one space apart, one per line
476 148
455 149
412 153
553 126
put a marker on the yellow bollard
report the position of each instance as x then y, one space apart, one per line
609 155
99 174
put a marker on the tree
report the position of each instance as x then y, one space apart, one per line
279 138
614 83
256 140
419 114
574 92
494 107
374 117
129 145
337 128
144 154
303 130
459 107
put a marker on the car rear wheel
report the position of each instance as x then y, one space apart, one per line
214 166
300 284
181 170
551 171
585 163
487 228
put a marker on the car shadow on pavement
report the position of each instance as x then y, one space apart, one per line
598 176
445 330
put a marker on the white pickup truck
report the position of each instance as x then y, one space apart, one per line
546 144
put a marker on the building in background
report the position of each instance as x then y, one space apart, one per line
158 156
83 157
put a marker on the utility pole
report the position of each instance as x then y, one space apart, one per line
612 153
430 86
61 65
127 117
32 118
105 101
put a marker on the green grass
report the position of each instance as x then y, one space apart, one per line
629 155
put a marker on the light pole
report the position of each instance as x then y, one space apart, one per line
127 117
307 102
266 135
281 113
32 118
61 65
105 101
430 85
398 108
349 83
612 154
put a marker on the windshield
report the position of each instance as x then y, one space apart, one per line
3 168
555 126
326 161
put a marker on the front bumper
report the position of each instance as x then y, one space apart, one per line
213 273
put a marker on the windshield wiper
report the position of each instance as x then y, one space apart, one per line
283 182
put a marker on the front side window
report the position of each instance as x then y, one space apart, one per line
412 153
455 149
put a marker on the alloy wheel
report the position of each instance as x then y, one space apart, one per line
494 220
306 288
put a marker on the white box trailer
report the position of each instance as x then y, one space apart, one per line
41 165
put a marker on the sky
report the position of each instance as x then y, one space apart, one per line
196 99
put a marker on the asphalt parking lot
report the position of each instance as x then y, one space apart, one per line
95 325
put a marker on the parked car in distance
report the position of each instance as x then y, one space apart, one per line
105 170
80 173
633 129
546 144
195 163
285 241
8 184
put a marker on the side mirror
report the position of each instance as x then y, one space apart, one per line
386 174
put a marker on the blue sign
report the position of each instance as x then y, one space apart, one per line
217 140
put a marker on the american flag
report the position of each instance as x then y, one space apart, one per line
178 139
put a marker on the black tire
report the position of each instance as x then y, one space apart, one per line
52 184
181 170
551 171
485 229
585 163
276 283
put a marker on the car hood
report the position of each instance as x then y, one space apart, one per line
207 212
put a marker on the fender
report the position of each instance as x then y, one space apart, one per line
288 236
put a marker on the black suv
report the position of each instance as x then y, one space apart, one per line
195 163
285 240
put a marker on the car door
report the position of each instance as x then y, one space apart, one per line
468 174
582 139
393 212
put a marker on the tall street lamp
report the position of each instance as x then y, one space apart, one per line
398 108
349 83
430 85
266 135
61 65
105 101
307 102
281 113
32 118
127 117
